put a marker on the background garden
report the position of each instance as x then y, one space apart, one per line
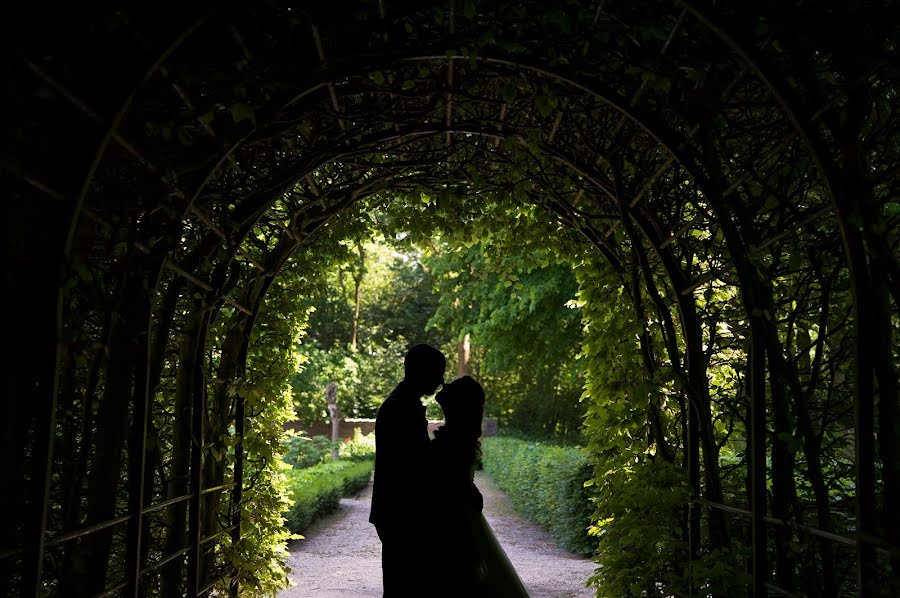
584 371
504 313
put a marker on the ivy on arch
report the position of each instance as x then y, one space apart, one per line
710 155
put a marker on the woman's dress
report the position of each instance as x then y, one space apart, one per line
500 579
471 563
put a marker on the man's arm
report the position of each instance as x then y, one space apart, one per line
402 446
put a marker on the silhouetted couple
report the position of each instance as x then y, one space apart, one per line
425 505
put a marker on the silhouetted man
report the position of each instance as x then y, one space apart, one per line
401 456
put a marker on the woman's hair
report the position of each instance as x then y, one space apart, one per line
463 403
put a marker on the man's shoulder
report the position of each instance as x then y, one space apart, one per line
390 407
389 404
399 408
398 399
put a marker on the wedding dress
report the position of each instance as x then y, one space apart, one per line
472 564
499 578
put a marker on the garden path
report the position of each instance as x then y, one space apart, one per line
341 555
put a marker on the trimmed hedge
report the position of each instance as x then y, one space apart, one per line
318 490
546 484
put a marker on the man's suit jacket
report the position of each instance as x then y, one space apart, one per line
399 493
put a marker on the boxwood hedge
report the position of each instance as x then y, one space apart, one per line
318 490
546 484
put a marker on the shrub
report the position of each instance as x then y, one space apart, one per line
305 451
318 490
359 448
637 522
546 484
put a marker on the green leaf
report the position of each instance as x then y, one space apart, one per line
241 112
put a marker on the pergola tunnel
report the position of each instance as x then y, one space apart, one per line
720 178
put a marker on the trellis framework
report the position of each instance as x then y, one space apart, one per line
181 188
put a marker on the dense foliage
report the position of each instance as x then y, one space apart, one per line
301 451
576 349
546 483
426 281
315 483
261 555
715 184
358 447
370 302
516 304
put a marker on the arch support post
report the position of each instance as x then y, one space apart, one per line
198 415
28 409
866 514
693 461
31 400
758 459
238 490
138 454
240 424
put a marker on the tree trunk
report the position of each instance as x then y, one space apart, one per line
357 296
463 353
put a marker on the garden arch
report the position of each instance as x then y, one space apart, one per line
187 155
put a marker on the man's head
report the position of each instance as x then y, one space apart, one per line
424 369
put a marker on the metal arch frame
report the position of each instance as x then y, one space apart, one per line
758 514
433 131
439 131
856 250
866 325
34 566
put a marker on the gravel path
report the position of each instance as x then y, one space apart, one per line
341 555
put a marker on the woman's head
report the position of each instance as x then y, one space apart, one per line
463 404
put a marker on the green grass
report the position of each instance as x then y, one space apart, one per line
317 490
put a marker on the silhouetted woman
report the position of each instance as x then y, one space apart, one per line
470 561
